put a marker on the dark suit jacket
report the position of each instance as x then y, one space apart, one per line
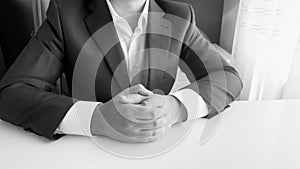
63 44
2 64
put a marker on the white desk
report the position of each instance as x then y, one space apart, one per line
254 135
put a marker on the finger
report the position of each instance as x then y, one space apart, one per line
158 123
134 111
156 138
152 139
146 103
155 101
139 89
132 99
145 133
142 113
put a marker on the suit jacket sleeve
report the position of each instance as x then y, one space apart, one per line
213 78
27 92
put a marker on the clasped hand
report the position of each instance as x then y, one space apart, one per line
137 115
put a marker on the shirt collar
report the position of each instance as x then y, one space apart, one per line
142 22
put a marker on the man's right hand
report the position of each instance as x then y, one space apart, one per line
125 119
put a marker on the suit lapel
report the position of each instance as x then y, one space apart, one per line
98 17
158 42
100 26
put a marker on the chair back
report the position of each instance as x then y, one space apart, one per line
20 19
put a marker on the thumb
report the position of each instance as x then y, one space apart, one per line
139 89
132 99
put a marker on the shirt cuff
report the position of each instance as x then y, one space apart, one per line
193 103
78 119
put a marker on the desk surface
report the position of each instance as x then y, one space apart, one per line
260 135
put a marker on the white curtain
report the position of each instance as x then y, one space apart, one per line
265 48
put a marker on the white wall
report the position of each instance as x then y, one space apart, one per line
292 88
230 13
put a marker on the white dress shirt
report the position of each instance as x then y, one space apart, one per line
78 119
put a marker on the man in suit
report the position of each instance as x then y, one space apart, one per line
120 59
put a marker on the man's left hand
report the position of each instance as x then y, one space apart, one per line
170 106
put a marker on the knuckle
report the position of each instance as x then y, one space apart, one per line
154 139
139 86
163 122
138 109
122 97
